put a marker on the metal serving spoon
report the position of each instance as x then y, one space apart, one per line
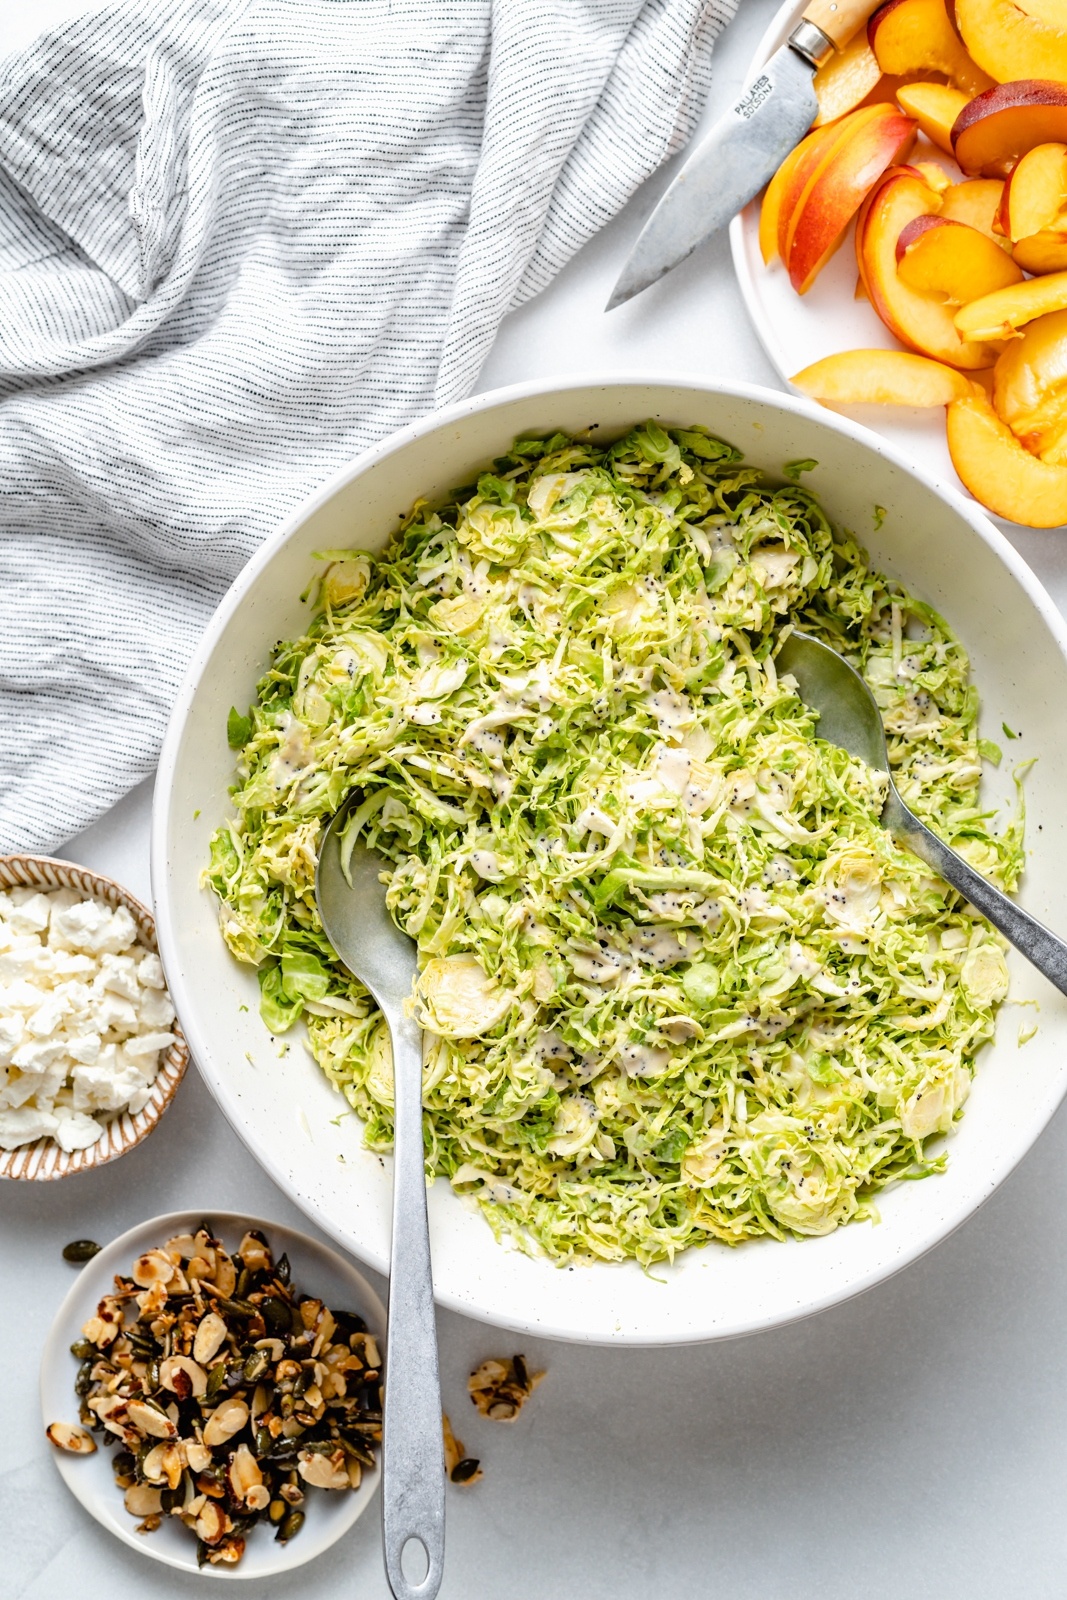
849 717
372 947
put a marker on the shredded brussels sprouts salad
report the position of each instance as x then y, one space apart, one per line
678 983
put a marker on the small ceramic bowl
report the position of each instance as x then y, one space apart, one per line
317 1270
45 1159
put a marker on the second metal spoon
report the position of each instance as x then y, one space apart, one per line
849 717
358 925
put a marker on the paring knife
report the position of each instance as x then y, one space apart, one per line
744 148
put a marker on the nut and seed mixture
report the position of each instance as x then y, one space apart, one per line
230 1394
500 1389
460 1467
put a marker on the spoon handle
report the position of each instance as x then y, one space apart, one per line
413 1471
1040 947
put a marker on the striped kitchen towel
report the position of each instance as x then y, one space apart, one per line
240 241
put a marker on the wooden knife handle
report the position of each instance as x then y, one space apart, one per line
839 19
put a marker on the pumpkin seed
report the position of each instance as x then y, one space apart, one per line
289 1526
79 1251
256 1366
82 1349
276 1315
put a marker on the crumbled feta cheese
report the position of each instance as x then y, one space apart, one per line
147 1044
24 1126
29 917
118 975
76 1131
84 1017
155 1009
110 1013
93 928
150 973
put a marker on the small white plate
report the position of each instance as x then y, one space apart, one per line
317 1270
796 330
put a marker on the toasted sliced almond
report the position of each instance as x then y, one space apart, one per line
65 1436
155 1266
210 1336
150 1420
141 1500
226 1420
185 1378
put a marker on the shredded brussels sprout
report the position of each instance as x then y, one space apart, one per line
678 983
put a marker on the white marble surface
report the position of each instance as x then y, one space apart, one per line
912 1442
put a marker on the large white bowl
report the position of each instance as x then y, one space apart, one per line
284 1108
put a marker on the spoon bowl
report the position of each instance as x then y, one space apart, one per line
849 717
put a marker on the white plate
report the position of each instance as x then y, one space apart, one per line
796 330
317 1270
283 1106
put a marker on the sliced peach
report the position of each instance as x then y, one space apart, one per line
845 80
909 37
882 378
1035 195
812 149
976 202
935 107
935 176
998 471
1030 388
938 256
784 188
1050 11
996 128
1042 253
867 143
997 315
1033 209
1009 44
922 321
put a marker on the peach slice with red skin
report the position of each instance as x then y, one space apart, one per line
975 201
867 142
910 37
1033 210
922 321
782 191
1035 194
881 378
938 256
1011 44
935 107
997 315
1030 388
997 128
845 80
998 470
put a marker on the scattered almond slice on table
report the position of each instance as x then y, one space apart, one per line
500 1389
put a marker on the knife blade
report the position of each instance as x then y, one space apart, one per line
742 150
